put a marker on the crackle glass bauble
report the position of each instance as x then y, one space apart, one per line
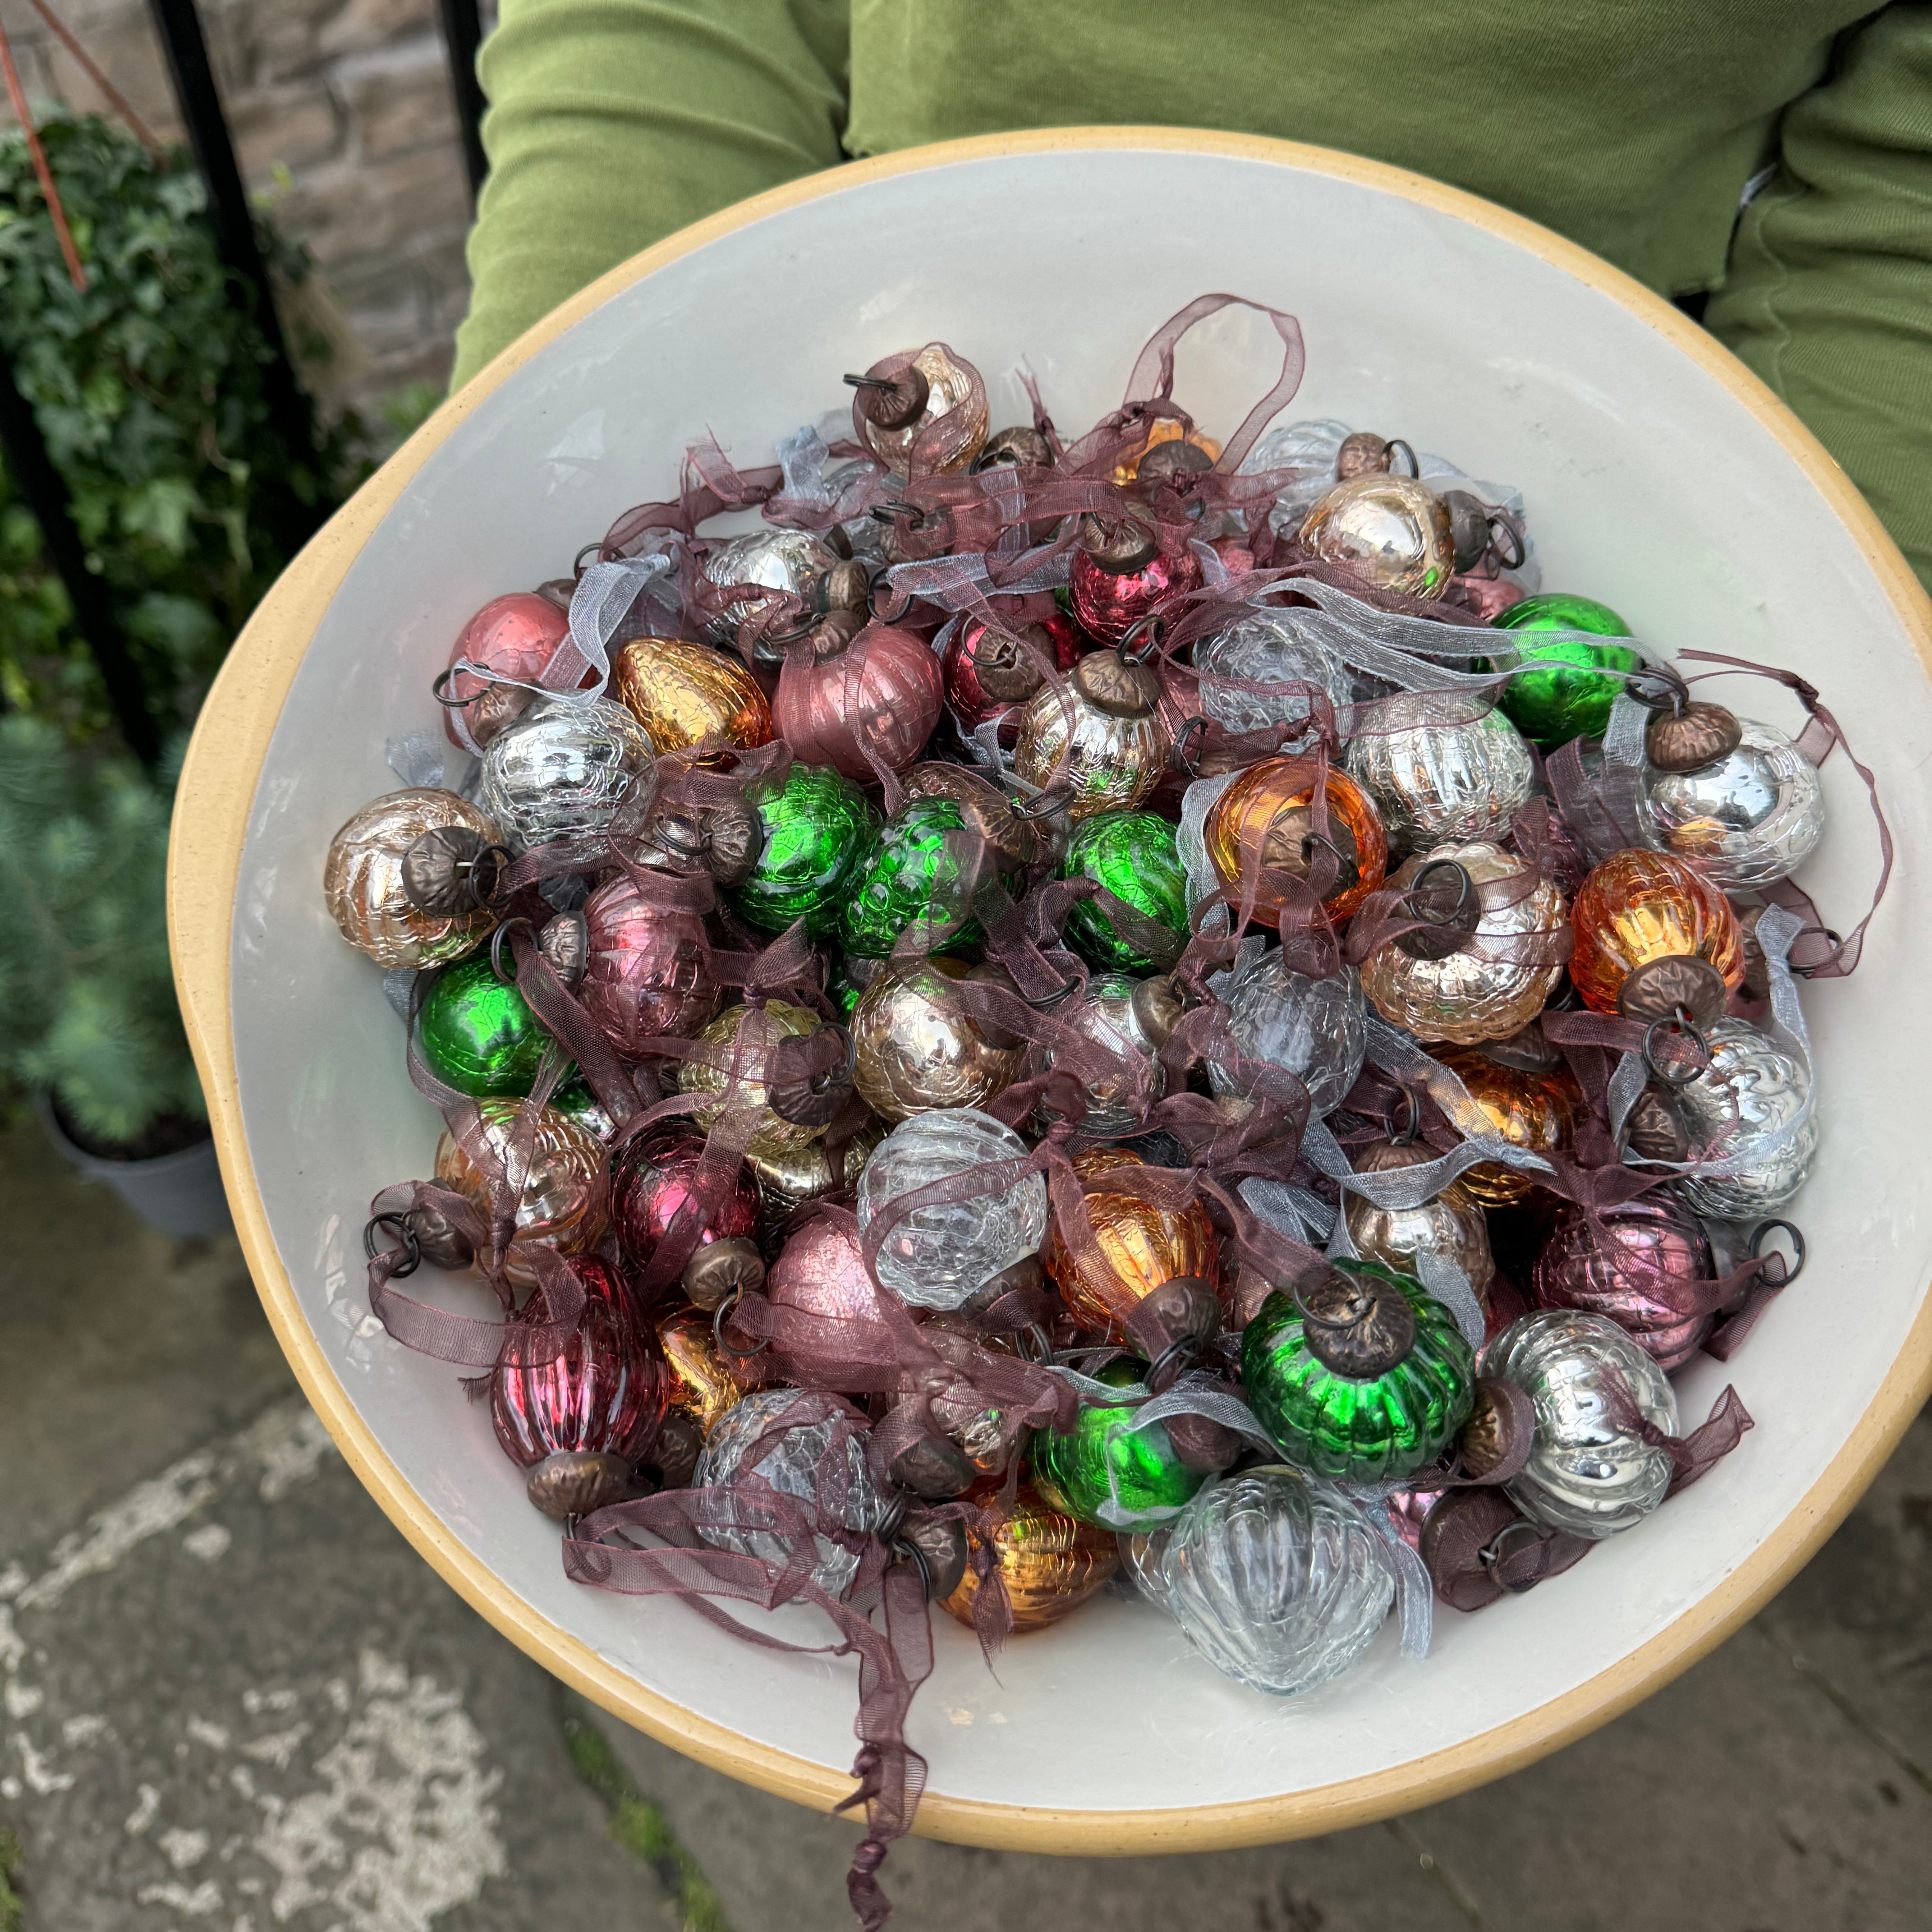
784 1435
1103 1472
1110 602
1266 817
1393 531
562 770
648 970
1132 854
939 1256
1533 1108
1318 1029
561 1181
879 694
816 833
514 637
1481 992
1050 1562
1434 784
774 560
1267 647
684 695
754 1030
915 1047
651 1190
1371 1427
1746 820
1589 1475
1105 1014
1752 1106
364 878
1638 908
787 1179
1450 1225
1276 1577
478 1035
1138 1247
1625 1266
990 672
1111 733
704 1385
912 877
1562 692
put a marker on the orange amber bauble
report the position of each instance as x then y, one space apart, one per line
1534 1111
1639 906
684 695
1050 1563
1266 811
1138 1247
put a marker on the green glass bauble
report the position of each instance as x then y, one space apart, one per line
1072 1470
1132 854
910 876
818 833
1371 1427
478 1035
1560 696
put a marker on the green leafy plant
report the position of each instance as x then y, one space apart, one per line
87 1004
148 387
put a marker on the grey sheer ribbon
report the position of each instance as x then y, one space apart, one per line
428 758
605 596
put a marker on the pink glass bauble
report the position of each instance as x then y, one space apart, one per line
648 970
1647 1247
980 656
821 1271
516 637
881 693
1109 605
605 1394
651 1186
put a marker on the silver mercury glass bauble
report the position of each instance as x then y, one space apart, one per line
791 1464
1106 1015
1433 783
779 560
1317 1029
1276 1577
1587 1475
1751 1082
1450 1225
1267 647
1745 820
936 1257
562 770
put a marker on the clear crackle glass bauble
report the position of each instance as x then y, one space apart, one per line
1436 782
1276 1577
1750 1106
1267 647
789 1459
562 770
1588 1475
1746 820
936 1257
1317 1029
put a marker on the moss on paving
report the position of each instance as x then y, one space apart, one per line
636 1824
10 1906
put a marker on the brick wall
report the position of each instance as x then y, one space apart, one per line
344 123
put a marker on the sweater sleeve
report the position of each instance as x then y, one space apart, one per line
613 123
1828 292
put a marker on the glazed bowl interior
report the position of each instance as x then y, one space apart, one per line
1658 478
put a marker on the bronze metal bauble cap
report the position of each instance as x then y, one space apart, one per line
941 1544
1358 1326
1443 893
1183 1310
1660 988
723 839
565 942
720 1269
437 1242
1022 447
446 873
1500 1430
845 586
1528 1050
1361 453
561 591
1391 1156
892 401
1114 686
1653 1129
1757 968
674 1451
577 1481
988 811
808 1076
1468 527
1024 1281
1121 545
933 1469
1699 735
1006 669
1177 456
1204 1446
833 636
1157 1006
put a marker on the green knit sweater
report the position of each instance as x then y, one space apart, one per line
1635 127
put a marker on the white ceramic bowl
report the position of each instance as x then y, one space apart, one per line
1661 477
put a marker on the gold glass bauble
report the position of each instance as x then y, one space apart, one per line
1534 1110
362 879
1138 1248
702 1386
756 1029
1050 1563
563 1188
684 694
794 1175
1269 810
1451 1225
1114 757
915 1047
1391 531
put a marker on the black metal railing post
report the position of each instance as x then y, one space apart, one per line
41 485
463 35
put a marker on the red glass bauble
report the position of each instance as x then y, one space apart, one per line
648 970
651 1187
1109 605
881 691
516 637
1640 1271
974 641
604 1394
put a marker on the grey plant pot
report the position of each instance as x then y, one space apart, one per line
178 1194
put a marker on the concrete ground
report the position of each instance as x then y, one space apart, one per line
231 1698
